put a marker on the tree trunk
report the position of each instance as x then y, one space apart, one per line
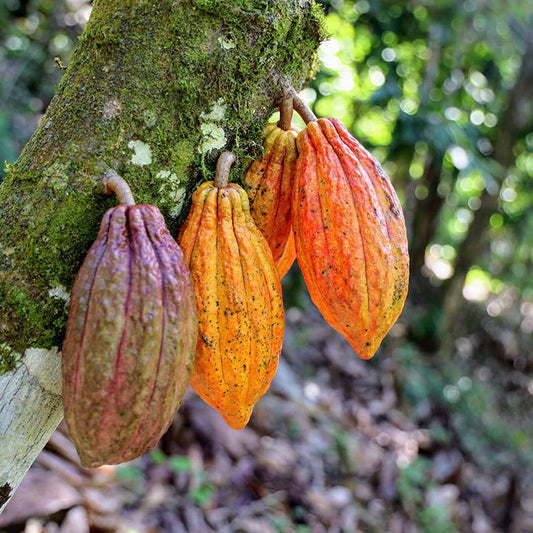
155 91
426 214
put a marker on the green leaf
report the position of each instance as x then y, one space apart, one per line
180 463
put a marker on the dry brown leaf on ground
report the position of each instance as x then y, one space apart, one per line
41 493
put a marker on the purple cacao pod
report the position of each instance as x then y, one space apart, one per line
130 338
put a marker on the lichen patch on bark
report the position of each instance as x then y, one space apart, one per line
142 153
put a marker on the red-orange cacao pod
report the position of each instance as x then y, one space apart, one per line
350 235
268 182
284 263
130 338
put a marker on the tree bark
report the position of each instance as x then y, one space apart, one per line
426 214
156 90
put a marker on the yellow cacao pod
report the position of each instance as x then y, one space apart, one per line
268 182
239 302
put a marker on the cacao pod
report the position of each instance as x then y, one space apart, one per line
130 339
239 302
350 235
268 182
288 256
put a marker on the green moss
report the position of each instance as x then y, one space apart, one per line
166 74
34 321
8 358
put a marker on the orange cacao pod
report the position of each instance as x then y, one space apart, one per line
268 182
350 235
130 338
288 256
239 302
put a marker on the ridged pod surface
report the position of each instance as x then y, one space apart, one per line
268 182
284 263
130 339
350 235
239 302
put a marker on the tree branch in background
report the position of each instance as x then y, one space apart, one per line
517 114
426 214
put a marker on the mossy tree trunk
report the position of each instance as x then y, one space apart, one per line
156 90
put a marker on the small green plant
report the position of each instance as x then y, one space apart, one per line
435 519
132 477
202 494
280 523
158 457
180 463
412 482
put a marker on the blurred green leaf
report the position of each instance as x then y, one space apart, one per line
180 463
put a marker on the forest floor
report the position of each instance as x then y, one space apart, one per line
392 445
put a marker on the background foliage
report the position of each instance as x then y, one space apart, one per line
440 92
436 89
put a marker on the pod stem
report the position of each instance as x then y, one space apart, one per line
302 108
225 160
113 183
285 112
